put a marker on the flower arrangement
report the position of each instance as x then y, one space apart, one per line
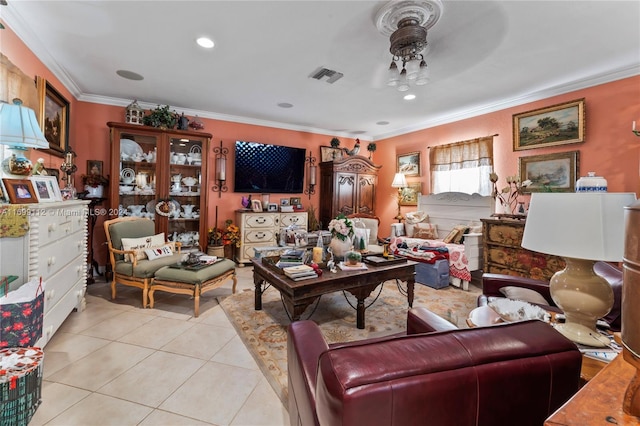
94 180
508 196
341 227
228 235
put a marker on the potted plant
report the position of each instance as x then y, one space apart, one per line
94 184
223 241
161 117
352 258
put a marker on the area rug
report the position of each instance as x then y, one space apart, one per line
265 333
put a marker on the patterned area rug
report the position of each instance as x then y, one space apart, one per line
265 334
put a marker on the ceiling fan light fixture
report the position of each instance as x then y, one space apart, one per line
393 76
403 84
423 74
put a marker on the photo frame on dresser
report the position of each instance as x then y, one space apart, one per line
46 188
20 191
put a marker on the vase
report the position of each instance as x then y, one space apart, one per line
217 251
339 248
94 191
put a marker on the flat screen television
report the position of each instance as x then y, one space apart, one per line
268 168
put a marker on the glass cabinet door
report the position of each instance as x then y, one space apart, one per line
185 178
137 191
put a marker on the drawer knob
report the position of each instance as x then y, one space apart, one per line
52 227
51 294
51 261
260 220
260 235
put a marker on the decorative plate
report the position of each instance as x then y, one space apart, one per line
195 149
151 205
130 148
128 175
167 208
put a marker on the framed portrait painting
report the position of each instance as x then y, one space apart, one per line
550 172
555 125
408 164
20 191
53 117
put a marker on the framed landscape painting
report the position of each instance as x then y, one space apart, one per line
555 125
410 194
409 164
550 172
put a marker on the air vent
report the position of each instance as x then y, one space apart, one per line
331 75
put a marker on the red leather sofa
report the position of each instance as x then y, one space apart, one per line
512 374
492 283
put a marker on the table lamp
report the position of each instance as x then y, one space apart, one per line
19 130
400 182
582 228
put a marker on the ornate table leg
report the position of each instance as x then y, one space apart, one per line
257 281
410 286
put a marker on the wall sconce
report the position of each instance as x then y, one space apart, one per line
400 182
312 173
219 184
633 129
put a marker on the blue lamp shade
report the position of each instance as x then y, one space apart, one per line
19 127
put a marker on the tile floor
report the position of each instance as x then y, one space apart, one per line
118 364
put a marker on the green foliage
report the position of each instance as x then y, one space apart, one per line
371 147
161 117
335 142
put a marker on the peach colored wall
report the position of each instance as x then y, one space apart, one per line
610 149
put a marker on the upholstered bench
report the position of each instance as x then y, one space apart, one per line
193 281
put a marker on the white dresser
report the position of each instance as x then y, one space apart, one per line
263 229
54 248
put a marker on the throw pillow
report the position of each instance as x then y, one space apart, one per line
412 218
427 231
154 253
524 294
140 244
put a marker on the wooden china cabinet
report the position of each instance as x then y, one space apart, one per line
162 176
347 186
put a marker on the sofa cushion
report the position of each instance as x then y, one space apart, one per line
146 268
139 245
524 294
428 231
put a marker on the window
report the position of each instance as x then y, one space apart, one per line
462 166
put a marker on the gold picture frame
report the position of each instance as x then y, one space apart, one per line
559 124
550 172
20 191
409 195
408 164
53 117
328 153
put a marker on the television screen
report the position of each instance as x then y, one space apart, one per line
268 168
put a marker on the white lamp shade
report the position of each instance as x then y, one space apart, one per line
579 225
19 127
399 181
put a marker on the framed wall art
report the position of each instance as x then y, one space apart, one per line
410 194
559 124
550 172
46 188
53 117
328 153
20 191
408 164
94 167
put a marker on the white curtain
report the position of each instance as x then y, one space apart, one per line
462 166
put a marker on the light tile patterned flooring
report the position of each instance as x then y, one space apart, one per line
118 364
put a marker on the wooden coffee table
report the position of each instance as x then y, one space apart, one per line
298 295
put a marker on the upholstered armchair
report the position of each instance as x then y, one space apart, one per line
530 290
512 374
371 224
128 239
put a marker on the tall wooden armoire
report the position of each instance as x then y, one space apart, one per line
347 186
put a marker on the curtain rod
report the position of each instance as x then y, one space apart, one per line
453 143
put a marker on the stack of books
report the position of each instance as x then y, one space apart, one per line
300 272
292 257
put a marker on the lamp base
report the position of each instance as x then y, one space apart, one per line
16 163
583 335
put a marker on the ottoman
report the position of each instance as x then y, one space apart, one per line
188 280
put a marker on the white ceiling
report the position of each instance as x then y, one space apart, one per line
484 56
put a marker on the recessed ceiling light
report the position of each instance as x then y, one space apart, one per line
409 97
129 75
205 42
382 123
285 105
